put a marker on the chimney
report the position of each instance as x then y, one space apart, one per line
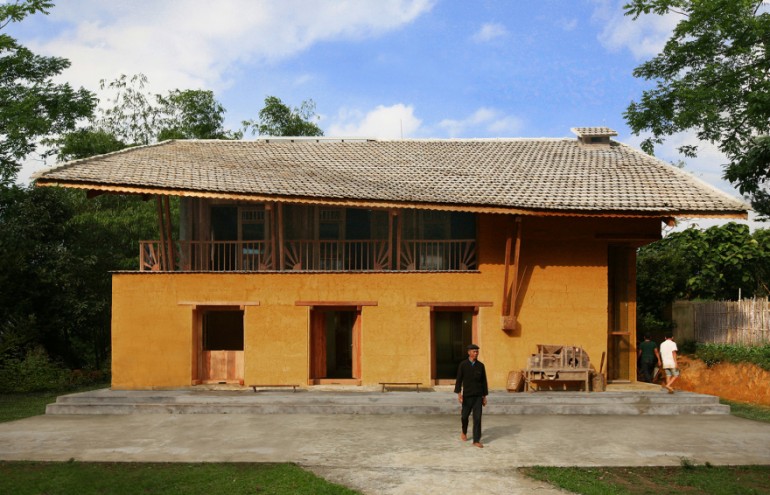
594 137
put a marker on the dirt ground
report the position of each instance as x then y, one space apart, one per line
742 382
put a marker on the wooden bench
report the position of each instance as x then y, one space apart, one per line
254 387
401 384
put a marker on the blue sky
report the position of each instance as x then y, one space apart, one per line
379 68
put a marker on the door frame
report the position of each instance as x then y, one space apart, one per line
621 313
199 360
474 310
317 346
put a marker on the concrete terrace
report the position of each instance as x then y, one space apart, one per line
649 400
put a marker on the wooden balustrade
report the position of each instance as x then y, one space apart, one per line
311 255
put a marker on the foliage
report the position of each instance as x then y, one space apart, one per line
192 114
647 480
132 117
32 106
712 354
750 172
83 143
84 478
710 264
711 77
35 372
57 249
277 119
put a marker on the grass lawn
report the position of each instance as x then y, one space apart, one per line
115 478
18 406
684 479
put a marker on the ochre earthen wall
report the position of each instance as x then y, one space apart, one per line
562 300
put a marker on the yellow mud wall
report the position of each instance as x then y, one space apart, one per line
562 299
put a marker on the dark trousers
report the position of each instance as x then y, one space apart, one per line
472 404
647 368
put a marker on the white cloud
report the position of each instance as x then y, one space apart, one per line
489 31
644 37
393 122
483 122
194 43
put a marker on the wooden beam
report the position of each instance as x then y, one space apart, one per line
336 303
455 304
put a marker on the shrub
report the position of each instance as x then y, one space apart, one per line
34 372
712 354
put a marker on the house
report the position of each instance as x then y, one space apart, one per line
335 261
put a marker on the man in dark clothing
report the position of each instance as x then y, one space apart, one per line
648 358
472 380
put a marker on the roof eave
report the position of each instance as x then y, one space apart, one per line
384 204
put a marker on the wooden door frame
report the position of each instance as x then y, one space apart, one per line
317 345
198 364
616 264
474 310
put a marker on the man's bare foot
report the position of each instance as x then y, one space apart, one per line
478 444
463 437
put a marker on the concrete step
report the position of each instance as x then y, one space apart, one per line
193 401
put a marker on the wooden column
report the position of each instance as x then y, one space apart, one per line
280 237
169 237
162 232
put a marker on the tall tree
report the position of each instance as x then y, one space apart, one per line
132 117
278 119
713 77
192 114
32 106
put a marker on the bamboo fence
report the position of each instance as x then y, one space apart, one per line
745 322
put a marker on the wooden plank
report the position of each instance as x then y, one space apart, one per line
336 303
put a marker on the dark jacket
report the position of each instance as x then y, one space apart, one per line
472 379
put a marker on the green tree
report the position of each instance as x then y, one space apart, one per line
32 106
711 77
86 142
132 116
192 114
712 264
277 119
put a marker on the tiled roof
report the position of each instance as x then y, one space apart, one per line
537 174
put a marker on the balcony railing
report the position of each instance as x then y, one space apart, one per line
310 255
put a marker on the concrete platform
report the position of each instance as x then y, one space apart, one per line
395 454
374 402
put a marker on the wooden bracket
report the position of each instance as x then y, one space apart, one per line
508 320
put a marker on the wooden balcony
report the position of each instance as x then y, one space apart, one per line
309 255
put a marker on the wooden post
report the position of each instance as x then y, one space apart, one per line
398 219
510 292
280 237
273 236
390 239
162 232
169 237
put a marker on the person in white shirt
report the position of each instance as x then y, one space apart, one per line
668 352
